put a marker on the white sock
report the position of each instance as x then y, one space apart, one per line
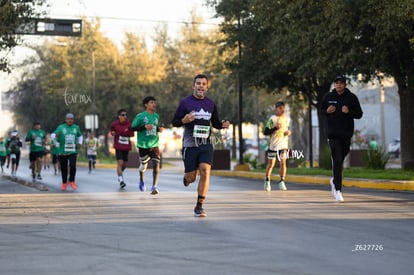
120 178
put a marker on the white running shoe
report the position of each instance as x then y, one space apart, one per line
282 185
332 187
338 196
267 186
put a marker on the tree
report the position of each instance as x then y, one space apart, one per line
14 13
386 38
66 73
90 74
194 51
304 44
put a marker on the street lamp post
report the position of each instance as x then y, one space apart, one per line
310 129
240 90
93 93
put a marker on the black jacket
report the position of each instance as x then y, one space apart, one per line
339 124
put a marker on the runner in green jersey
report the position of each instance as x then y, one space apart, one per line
37 137
2 152
70 139
55 152
14 145
146 124
6 141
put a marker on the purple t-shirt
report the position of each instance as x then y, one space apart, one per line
198 132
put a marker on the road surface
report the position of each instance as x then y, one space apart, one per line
100 229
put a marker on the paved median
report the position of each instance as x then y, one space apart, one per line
361 183
349 182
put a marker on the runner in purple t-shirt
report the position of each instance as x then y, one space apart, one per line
197 114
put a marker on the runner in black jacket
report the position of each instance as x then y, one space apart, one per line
341 107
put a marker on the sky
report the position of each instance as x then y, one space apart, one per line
117 17
138 16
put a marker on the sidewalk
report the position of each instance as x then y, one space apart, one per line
172 164
349 182
324 180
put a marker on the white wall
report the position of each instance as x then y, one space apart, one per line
369 97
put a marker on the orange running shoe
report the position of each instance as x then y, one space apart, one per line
72 185
64 186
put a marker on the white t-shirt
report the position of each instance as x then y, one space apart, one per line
92 145
278 140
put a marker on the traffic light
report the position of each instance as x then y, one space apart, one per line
50 26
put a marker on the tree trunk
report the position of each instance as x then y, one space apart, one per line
106 133
323 137
233 144
407 127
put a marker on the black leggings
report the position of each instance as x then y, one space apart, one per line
339 149
66 160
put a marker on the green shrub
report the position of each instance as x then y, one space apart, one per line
250 159
325 161
376 159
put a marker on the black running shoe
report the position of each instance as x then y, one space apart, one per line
199 212
122 184
154 190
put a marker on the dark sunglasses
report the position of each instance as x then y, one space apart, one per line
122 114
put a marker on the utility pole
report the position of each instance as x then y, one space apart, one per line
310 129
240 90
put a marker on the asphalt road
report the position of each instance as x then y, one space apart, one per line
100 229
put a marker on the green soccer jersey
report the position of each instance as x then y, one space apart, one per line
147 138
37 139
6 141
67 137
55 147
3 149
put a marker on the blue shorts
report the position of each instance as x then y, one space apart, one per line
92 157
193 156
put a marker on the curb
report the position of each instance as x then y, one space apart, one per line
98 165
38 186
324 180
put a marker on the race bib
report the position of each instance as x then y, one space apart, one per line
152 132
70 147
123 140
38 141
201 131
13 156
70 143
